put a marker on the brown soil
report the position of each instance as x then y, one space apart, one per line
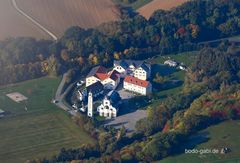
13 24
58 15
148 9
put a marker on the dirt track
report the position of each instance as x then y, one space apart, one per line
58 15
13 24
35 22
54 15
148 9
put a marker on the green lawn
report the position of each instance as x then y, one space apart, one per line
187 58
41 130
173 74
222 135
136 5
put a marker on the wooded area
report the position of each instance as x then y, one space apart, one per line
165 32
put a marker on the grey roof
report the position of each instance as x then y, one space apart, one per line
121 63
136 63
114 75
114 97
95 88
145 66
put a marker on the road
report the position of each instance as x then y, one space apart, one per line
53 36
60 94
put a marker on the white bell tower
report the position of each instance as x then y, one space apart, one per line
90 104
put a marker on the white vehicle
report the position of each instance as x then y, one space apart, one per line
55 101
82 109
80 83
74 106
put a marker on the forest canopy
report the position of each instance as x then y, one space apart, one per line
177 30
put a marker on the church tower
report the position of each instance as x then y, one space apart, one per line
90 104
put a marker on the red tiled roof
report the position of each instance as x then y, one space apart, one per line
114 75
98 69
136 81
101 70
101 76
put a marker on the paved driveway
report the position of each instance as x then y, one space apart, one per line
127 120
125 94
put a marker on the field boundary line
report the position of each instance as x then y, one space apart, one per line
53 36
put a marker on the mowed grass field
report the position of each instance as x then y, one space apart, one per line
42 130
58 15
226 134
148 9
187 58
12 24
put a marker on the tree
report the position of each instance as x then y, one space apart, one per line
95 60
65 55
159 79
116 56
50 66
162 145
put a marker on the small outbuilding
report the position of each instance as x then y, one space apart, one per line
171 63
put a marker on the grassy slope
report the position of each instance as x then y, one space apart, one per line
225 134
186 58
39 132
136 5
230 130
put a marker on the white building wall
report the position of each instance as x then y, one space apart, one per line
110 84
140 74
90 105
131 68
135 88
91 80
107 110
119 69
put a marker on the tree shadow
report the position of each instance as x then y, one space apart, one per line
167 85
131 105
163 70
192 142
